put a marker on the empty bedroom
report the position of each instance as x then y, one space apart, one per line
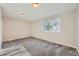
39 29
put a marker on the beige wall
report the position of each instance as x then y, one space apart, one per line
15 29
77 32
66 36
1 23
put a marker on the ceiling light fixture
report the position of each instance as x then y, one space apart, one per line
22 14
35 5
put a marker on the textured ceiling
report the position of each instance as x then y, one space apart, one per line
15 10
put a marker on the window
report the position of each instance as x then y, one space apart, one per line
51 25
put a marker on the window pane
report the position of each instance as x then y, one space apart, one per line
52 25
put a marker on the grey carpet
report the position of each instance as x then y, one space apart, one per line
18 50
38 47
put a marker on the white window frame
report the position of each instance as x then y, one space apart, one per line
51 20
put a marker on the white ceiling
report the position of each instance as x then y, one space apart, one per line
15 10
